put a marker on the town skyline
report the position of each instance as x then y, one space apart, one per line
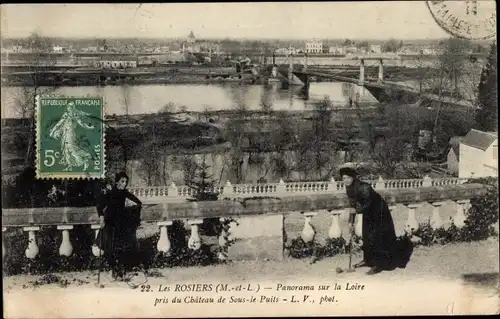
404 20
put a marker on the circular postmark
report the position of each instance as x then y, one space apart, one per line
475 20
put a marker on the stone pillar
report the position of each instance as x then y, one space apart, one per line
436 222
361 72
335 231
305 62
411 222
290 69
66 249
332 186
32 250
308 232
194 241
172 191
427 181
281 188
381 71
163 244
380 183
228 190
459 219
97 251
361 83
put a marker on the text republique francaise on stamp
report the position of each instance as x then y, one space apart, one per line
70 137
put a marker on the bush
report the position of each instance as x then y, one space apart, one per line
483 212
300 249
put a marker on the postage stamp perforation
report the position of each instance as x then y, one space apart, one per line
74 127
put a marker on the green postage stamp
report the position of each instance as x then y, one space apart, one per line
70 137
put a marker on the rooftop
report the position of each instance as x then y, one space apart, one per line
479 139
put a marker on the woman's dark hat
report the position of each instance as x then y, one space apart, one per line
348 171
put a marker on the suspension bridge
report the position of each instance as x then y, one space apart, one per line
380 88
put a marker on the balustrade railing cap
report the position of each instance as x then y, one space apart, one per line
438 203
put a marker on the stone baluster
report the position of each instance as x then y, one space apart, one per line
380 184
172 191
358 228
66 249
163 245
96 251
32 250
411 222
436 222
228 190
335 231
308 232
3 242
194 241
459 219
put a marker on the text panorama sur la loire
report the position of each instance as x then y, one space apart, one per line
248 293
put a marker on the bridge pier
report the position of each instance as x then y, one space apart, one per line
360 89
381 71
290 69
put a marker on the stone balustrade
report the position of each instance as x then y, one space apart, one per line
160 194
260 221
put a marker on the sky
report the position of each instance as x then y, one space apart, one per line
276 20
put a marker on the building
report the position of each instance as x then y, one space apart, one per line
453 157
58 49
478 154
336 50
375 48
117 62
190 44
314 47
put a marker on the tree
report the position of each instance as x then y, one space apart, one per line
39 57
363 45
453 62
202 182
348 42
487 115
392 46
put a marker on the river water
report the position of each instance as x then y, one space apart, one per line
139 99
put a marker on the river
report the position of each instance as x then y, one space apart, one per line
139 99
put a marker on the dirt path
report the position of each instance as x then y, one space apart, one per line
433 282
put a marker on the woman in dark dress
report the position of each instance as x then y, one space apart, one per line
381 250
118 226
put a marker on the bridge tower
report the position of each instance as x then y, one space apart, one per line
381 71
290 68
361 88
305 62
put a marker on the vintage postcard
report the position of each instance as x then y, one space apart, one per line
249 159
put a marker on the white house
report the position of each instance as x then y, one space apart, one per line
314 47
478 154
117 62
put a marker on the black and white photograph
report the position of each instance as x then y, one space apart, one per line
249 159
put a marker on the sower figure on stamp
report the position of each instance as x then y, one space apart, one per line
118 226
381 249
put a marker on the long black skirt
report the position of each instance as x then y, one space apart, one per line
381 247
119 245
